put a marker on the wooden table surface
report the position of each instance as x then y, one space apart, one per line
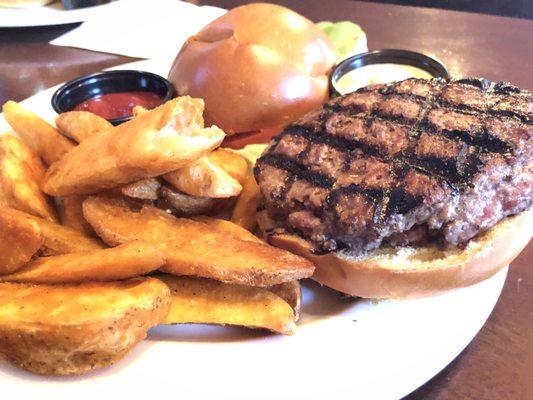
498 364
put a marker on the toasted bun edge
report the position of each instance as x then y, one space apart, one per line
416 272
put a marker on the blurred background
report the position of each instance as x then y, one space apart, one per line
508 8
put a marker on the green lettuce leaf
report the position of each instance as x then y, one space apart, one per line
347 37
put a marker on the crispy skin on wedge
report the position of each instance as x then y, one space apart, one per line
229 228
244 213
71 213
161 140
75 328
291 292
194 248
21 173
38 134
57 239
145 189
206 301
122 262
80 125
20 240
204 178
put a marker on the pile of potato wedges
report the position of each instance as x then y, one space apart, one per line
106 232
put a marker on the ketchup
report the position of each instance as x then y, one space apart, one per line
118 105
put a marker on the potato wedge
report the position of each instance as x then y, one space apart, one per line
228 227
291 292
21 173
205 301
161 140
245 210
70 213
234 164
193 248
80 125
72 329
185 205
204 179
38 134
219 174
145 189
57 239
20 240
118 263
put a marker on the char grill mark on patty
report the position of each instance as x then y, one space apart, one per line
379 161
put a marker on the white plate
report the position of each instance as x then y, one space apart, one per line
52 14
343 348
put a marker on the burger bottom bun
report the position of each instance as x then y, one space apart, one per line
409 272
23 3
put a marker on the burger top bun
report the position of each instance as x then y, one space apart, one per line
256 67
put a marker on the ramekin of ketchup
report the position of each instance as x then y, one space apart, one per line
113 94
119 105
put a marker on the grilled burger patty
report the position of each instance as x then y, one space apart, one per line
402 163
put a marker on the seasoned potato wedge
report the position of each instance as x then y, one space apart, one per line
21 172
186 205
159 141
57 239
193 248
228 227
204 178
122 262
38 134
145 189
71 213
205 301
80 125
291 292
245 210
20 239
75 328
234 164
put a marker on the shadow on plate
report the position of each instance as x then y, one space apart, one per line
321 301
205 333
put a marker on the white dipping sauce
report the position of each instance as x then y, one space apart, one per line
378 73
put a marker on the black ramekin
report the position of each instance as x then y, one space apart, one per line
86 87
394 56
